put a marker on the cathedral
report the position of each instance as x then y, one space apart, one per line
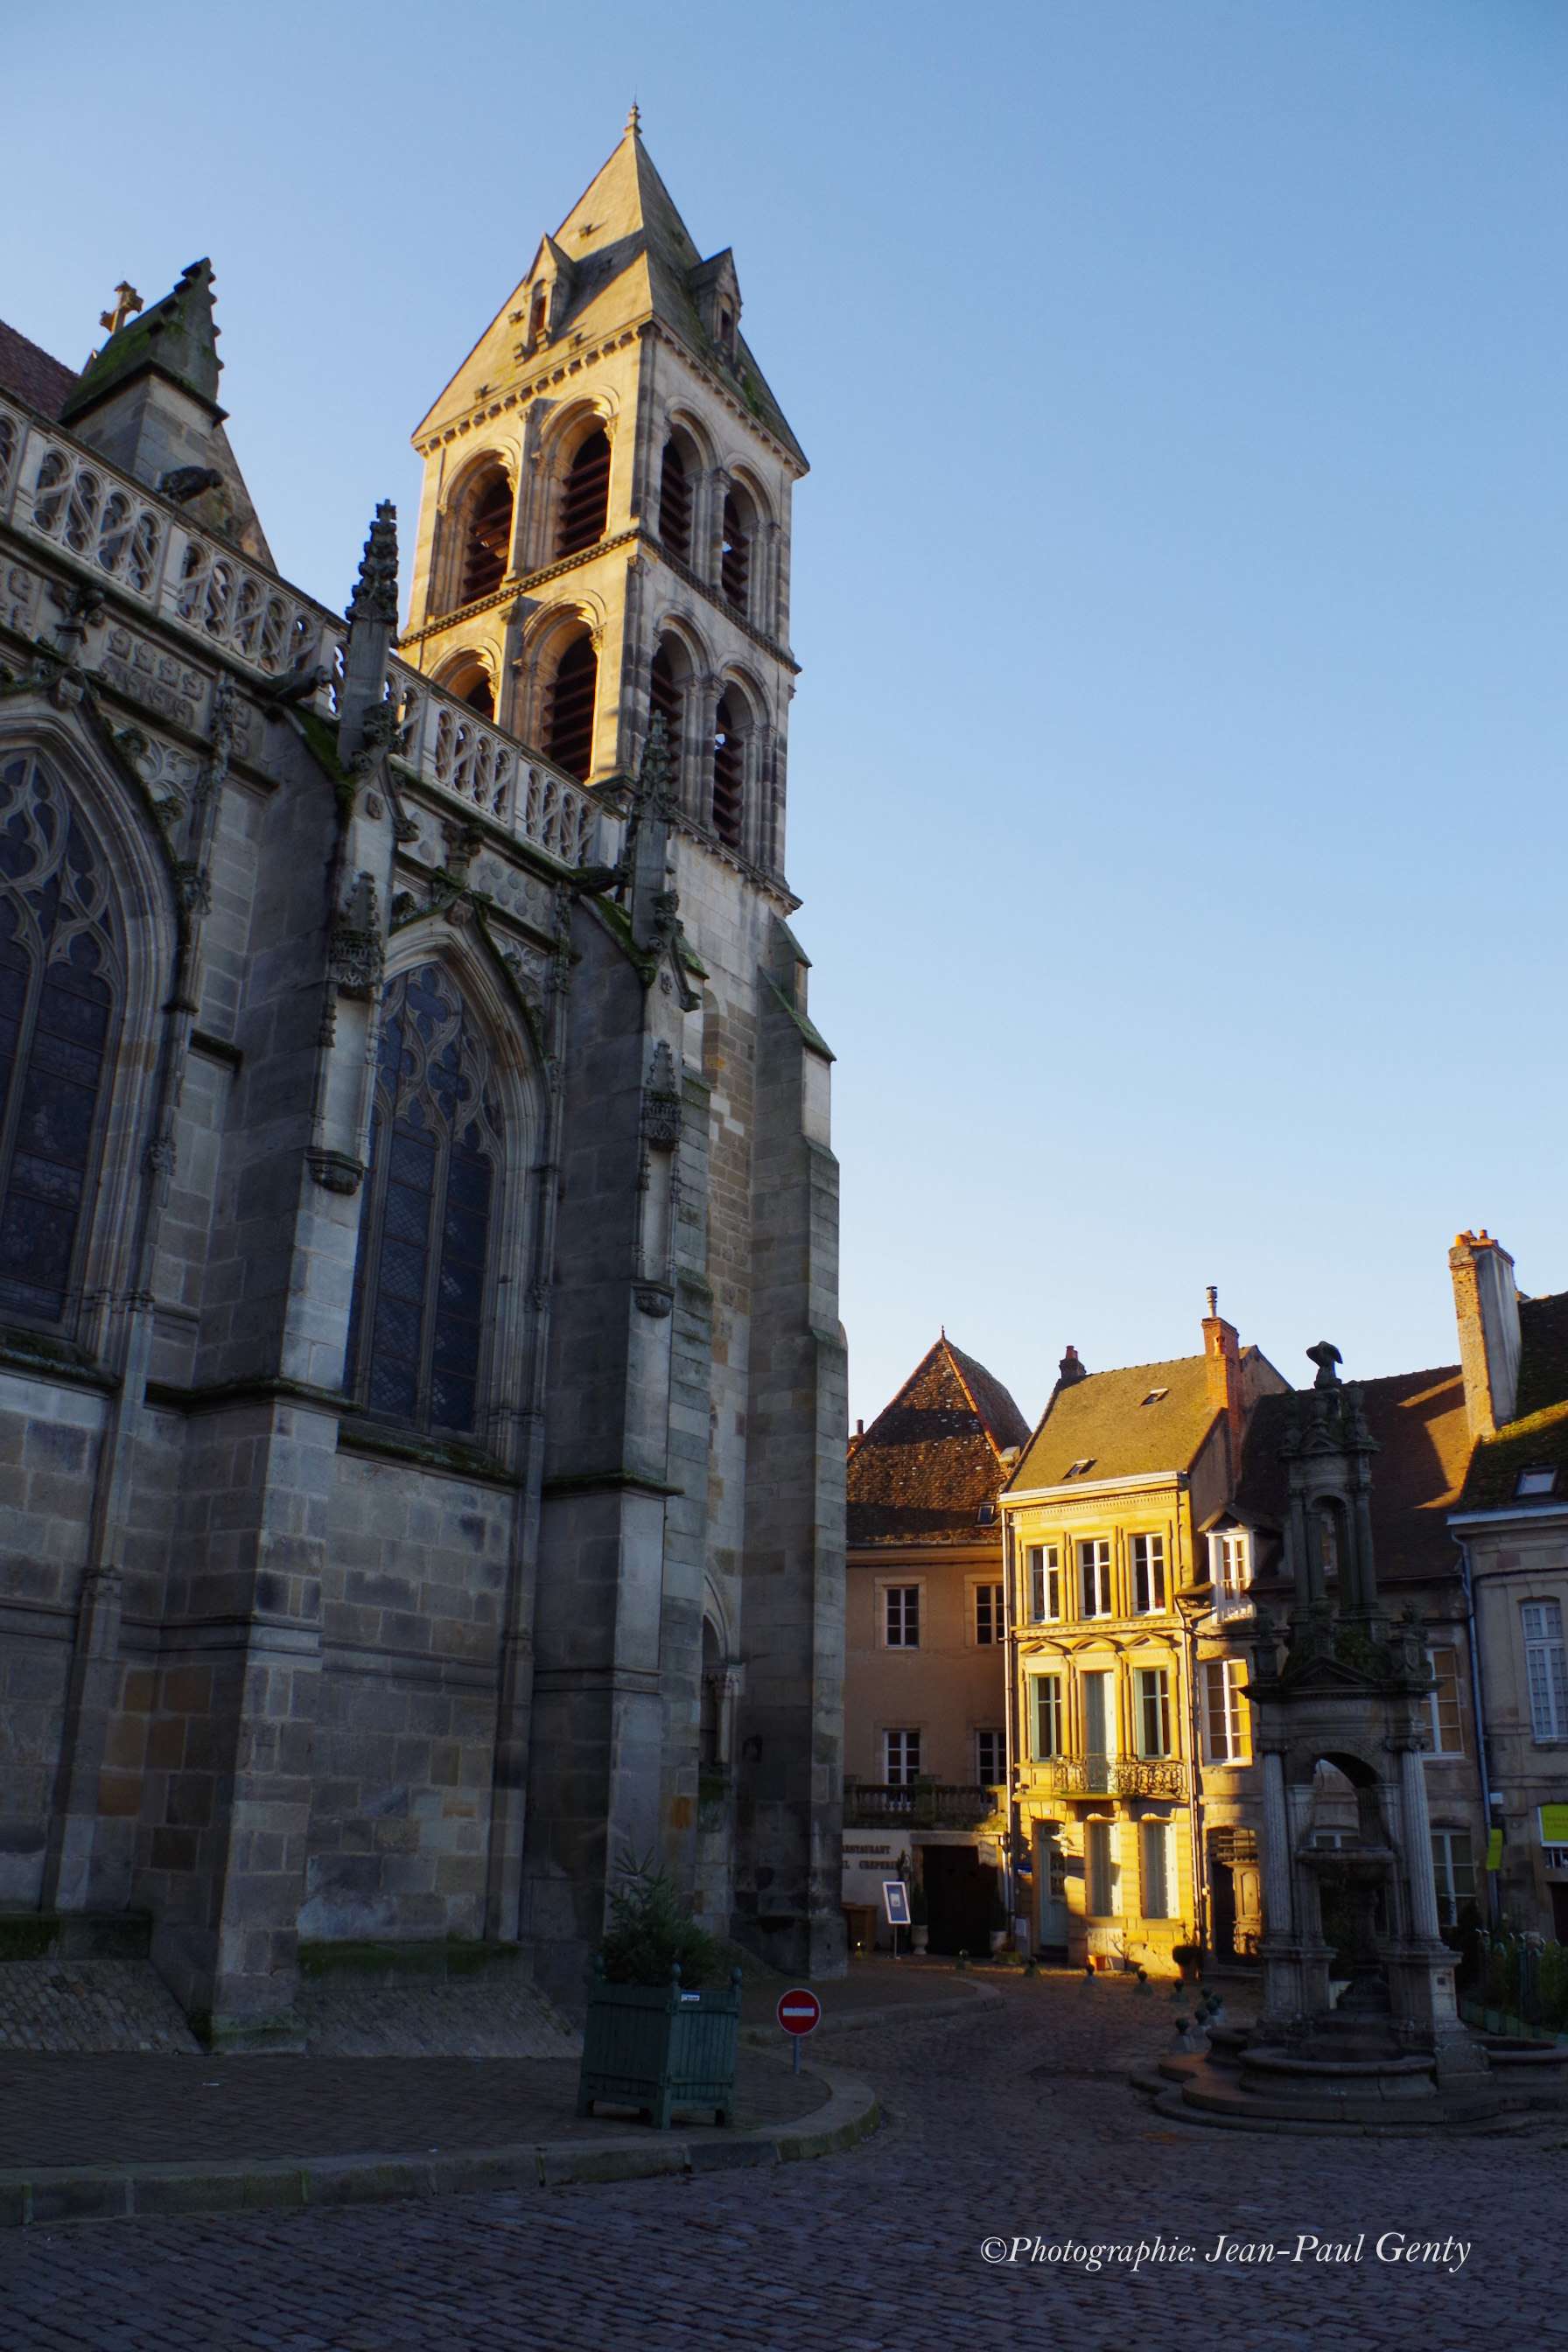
422 1392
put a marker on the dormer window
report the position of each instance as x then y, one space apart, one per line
986 1514
726 330
1230 1567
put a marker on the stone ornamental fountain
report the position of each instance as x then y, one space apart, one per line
1348 1693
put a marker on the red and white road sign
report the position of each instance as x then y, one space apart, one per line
799 2012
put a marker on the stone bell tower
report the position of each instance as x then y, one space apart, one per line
605 523
604 541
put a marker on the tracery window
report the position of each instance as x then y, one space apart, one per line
61 990
417 1316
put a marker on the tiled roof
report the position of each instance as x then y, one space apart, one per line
1539 1432
931 1457
31 375
1103 1421
1424 1446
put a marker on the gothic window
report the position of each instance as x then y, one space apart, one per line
569 717
735 556
538 319
728 768
61 989
675 503
486 535
665 698
418 1313
585 496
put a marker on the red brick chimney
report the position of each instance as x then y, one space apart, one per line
1486 1306
1070 1368
1222 1348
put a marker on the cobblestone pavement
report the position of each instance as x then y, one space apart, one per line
110 2108
1011 2123
89 2005
104 2005
490 2018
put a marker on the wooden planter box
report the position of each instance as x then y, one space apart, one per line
656 2048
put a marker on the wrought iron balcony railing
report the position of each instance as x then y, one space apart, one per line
1116 1776
928 1804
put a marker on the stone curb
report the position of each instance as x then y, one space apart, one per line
767 2037
180 2191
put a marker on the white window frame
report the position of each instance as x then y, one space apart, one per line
1093 1554
1545 1670
906 1778
1447 1870
997 1779
997 1594
1230 1561
1148 1557
903 1588
1230 1719
1042 1563
1107 1683
1095 1827
1039 1752
1151 1689
1456 1747
1154 1830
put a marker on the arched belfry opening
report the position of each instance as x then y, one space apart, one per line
470 682
668 674
485 548
731 726
585 495
735 552
569 713
675 488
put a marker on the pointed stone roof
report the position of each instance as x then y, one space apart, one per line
177 338
934 1457
631 256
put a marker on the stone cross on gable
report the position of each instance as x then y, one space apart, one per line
127 302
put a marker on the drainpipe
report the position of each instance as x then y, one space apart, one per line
1008 1556
1494 1906
1194 1802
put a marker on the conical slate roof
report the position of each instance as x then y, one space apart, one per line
934 1457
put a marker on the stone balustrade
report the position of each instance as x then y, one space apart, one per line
68 499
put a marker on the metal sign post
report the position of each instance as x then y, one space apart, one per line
799 2012
896 1896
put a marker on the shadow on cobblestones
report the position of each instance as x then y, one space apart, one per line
998 2128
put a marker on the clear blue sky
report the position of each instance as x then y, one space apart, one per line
1178 768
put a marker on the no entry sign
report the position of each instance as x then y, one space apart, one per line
799 2012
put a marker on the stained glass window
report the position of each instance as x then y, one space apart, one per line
61 985
417 1318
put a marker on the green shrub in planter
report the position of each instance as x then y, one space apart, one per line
655 2038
